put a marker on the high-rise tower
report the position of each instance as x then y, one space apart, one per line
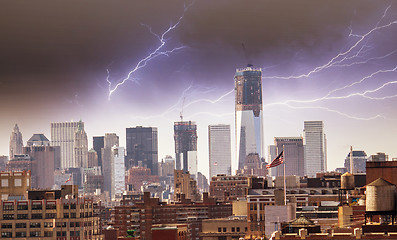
185 135
142 148
16 142
248 113
219 149
63 134
315 148
80 147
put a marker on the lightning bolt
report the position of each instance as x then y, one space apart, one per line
158 51
344 55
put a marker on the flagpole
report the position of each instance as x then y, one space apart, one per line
285 185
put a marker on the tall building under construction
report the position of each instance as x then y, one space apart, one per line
248 113
185 135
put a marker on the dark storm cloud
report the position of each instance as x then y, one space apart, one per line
44 42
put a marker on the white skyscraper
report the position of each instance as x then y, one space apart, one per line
315 148
63 135
219 149
248 113
118 172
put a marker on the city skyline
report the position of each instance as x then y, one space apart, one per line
63 76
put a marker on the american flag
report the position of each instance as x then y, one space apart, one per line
277 161
69 179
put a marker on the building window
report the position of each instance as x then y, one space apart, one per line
47 234
20 225
219 229
37 216
35 234
8 207
72 215
238 229
61 224
66 215
37 207
6 234
6 225
50 216
224 229
18 182
35 225
4 182
22 207
233 229
51 206
48 224
8 216
20 234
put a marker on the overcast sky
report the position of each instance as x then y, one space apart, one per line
54 57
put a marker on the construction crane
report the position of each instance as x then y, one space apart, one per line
181 112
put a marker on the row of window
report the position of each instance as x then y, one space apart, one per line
47 216
23 225
232 229
24 234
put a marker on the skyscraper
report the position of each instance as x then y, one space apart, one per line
293 155
117 172
248 113
219 149
185 136
142 148
63 135
315 148
97 144
16 142
110 140
80 147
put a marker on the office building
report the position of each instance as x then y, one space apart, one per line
43 160
219 149
359 161
293 155
110 140
92 158
48 215
80 147
248 113
97 144
185 136
315 148
63 135
185 185
272 154
118 172
16 142
142 148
